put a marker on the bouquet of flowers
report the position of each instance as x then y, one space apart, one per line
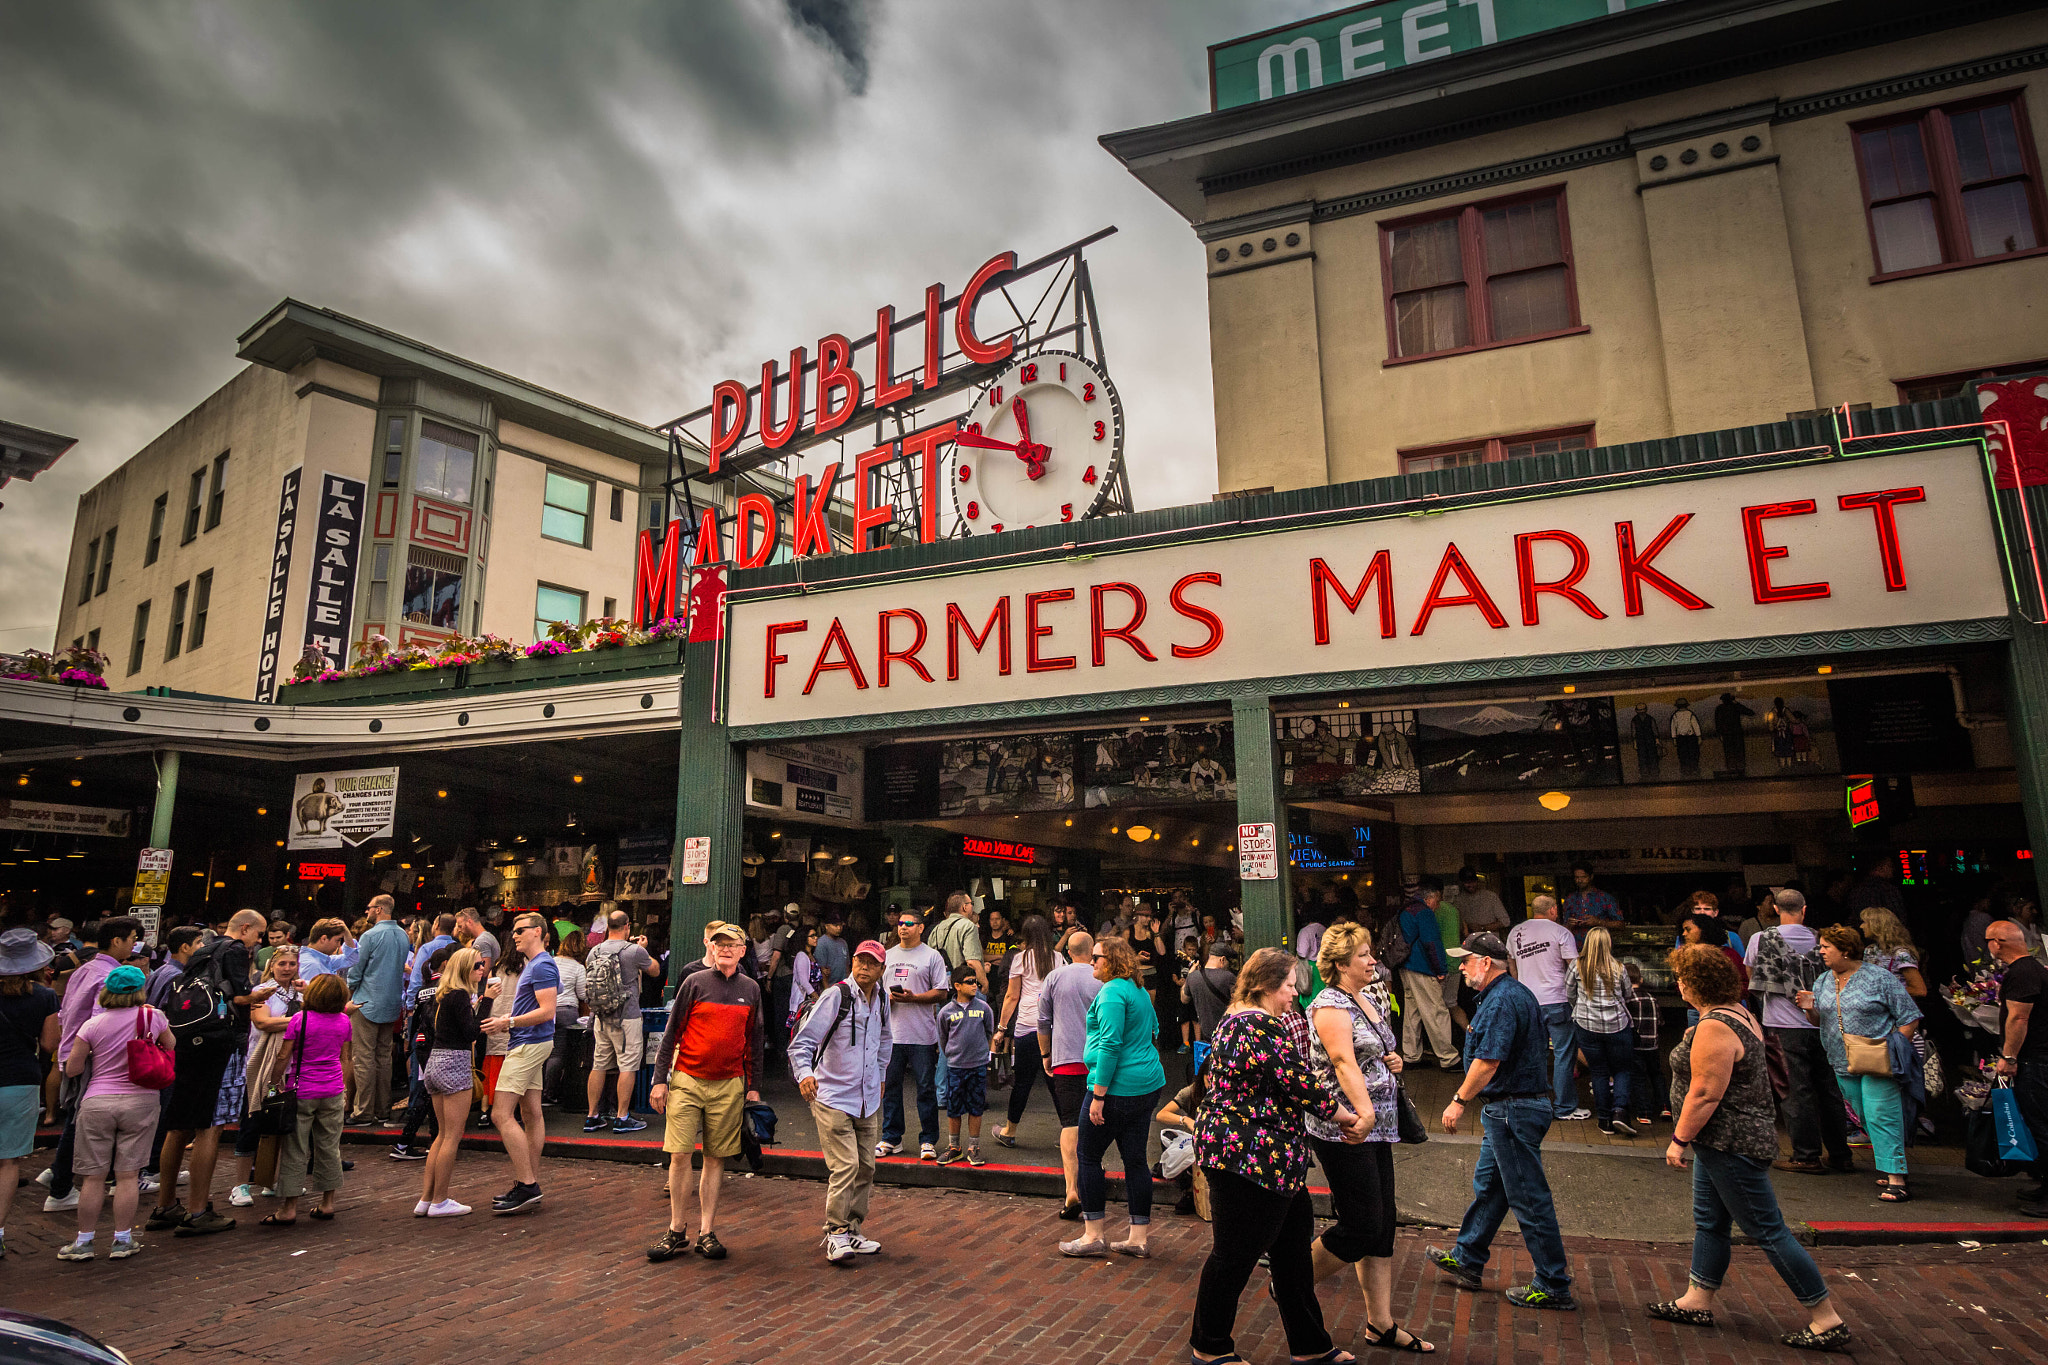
1975 1001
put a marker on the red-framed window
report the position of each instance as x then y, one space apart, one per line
1492 273
1951 186
1494 449
1930 388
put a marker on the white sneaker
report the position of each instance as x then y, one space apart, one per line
419 1210
927 1152
184 1177
838 1247
447 1208
242 1196
887 1148
75 1251
865 1246
43 1178
55 1205
121 1251
1575 1116
148 1184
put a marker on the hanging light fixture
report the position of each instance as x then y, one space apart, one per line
1554 800
1138 834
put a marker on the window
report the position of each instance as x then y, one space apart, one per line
92 640
611 607
92 567
380 581
446 466
1939 386
202 598
195 496
177 636
1483 275
213 502
394 450
1495 449
106 561
78 642
1950 186
618 504
565 510
433 588
156 527
556 604
135 645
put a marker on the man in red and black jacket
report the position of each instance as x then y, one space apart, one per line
713 1046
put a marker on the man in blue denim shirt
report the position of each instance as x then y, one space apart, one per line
1507 1066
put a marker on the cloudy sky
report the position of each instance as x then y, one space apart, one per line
622 201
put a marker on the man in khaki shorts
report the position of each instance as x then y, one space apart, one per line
530 1031
613 969
714 1042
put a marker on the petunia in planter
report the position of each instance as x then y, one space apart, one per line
81 677
21 677
548 649
667 628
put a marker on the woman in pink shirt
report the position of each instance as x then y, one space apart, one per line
117 1117
317 1043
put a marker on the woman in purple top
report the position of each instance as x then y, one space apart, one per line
116 1118
318 1039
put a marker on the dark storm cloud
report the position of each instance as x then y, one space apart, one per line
622 201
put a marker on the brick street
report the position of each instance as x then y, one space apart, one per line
963 1276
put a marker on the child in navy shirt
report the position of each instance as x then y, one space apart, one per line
967 1030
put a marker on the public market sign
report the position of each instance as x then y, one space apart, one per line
1383 36
1845 544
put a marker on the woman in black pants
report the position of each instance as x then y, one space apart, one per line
1028 968
1253 1152
1355 1054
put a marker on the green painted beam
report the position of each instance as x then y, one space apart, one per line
1268 905
2026 709
166 798
710 792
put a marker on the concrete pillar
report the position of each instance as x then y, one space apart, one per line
710 793
1268 906
2026 709
166 798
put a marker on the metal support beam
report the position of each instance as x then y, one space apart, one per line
710 787
2026 709
1268 906
166 798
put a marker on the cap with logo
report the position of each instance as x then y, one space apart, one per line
718 928
1481 945
870 948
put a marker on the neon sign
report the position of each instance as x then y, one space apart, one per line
1862 803
1001 849
318 872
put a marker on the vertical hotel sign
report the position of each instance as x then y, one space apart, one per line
337 546
280 581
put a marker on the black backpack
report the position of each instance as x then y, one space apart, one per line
198 1004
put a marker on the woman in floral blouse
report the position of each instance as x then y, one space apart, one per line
1254 1153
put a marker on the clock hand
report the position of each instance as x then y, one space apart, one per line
981 442
1023 422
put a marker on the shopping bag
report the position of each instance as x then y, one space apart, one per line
1980 1144
2015 1140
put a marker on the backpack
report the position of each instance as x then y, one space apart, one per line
198 1004
948 940
842 996
1393 945
604 984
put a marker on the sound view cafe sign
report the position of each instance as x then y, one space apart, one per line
1876 542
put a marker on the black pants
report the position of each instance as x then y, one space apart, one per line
1127 1122
1029 1072
1251 1221
1814 1117
60 1165
1362 1197
419 1105
2030 1088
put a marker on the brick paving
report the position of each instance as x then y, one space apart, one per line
964 1276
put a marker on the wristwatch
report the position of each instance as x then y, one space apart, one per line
1458 1100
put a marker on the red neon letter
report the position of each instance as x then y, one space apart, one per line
773 436
1320 578
867 516
1032 630
903 656
836 637
977 351
1636 569
1880 505
707 549
775 633
813 532
1566 587
654 577
934 333
755 509
888 389
729 412
1195 613
1128 632
956 624
925 446
836 376
1761 555
1473 596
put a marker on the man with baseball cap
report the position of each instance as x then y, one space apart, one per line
714 1042
839 1055
1507 1071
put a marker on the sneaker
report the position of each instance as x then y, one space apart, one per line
203 1222
1529 1296
628 1125
516 1198
596 1123
75 1251
147 1184
671 1245
121 1251
887 1148
44 1176
447 1208
1621 1128
242 1196
1575 1115
927 1152
1085 1246
710 1248
419 1210
975 1158
1182 1050
57 1204
401 1152
163 1220
948 1157
1448 1262
838 1248
864 1246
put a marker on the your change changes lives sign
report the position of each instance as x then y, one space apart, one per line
343 809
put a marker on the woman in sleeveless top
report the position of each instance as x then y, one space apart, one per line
1726 1125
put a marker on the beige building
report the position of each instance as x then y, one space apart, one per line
1692 216
485 504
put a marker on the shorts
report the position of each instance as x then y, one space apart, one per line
522 1069
231 1101
195 1093
1066 1097
712 1107
20 1105
620 1043
448 1071
114 1133
969 1094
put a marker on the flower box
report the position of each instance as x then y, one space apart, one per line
398 685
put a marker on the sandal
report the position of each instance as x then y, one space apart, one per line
1669 1311
1389 1340
1894 1194
271 1220
1836 1338
1233 1358
322 1215
1336 1355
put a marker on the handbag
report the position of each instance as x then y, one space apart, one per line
2015 1139
1408 1123
151 1065
280 1112
1980 1144
1865 1056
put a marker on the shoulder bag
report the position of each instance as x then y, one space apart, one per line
280 1113
1865 1056
151 1065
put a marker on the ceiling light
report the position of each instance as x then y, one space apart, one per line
1825 668
1196 843
241 867
1230 848
78 782
1138 834
1143 719
263 810
1070 822
1113 829
775 834
21 781
406 866
280 843
846 858
1554 800
220 883
1344 705
576 777
1568 687
443 794
89 891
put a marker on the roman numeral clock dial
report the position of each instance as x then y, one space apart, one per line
1042 444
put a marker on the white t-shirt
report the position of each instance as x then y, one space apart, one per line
1023 968
1779 1010
1310 940
1541 948
916 970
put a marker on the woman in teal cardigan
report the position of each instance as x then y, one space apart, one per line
1124 1078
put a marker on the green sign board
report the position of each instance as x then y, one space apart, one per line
1382 36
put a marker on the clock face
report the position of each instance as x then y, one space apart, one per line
1041 444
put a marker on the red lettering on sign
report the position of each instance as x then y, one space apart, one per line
906 655
888 388
866 516
1761 555
1881 505
708 549
1566 587
835 638
924 447
773 436
934 333
1473 596
1201 614
1032 632
813 533
835 375
755 510
956 625
654 577
1100 635
976 847
775 633
976 350
729 413
1636 568
1320 578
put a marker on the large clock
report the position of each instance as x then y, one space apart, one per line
1042 443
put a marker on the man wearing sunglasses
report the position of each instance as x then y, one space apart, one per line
918 979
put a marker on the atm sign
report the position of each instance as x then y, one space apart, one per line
1001 849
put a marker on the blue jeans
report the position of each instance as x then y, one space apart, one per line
920 1060
1729 1188
942 1081
1564 1036
1127 1122
1510 1176
1612 1057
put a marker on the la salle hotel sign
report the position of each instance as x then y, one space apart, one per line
1864 543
